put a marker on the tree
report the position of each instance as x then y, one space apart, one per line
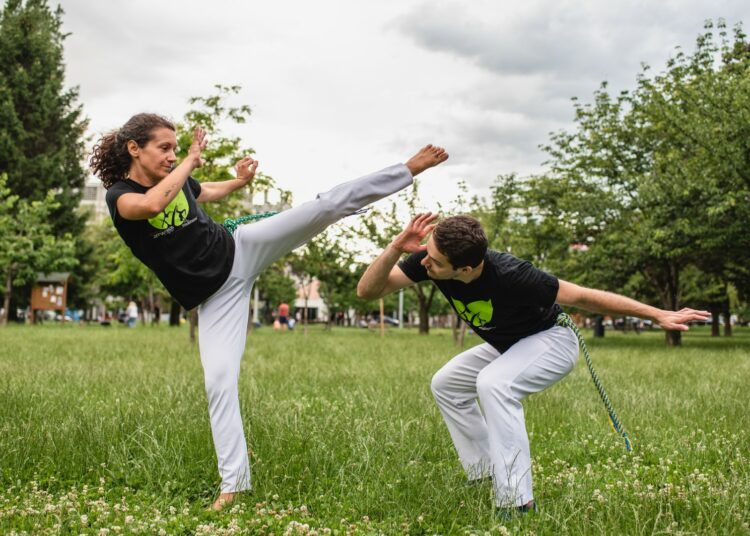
41 147
27 244
380 227
644 184
118 272
275 286
327 259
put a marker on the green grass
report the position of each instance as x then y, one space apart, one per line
105 431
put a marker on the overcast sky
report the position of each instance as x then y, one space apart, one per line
342 87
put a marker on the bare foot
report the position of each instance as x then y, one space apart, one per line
224 500
427 157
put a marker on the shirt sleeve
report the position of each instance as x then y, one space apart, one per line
113 194
412 267
533 285
194 186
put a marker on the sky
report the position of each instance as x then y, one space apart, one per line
339 88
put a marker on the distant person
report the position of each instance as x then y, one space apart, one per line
131 313
155 206
513 306
283 316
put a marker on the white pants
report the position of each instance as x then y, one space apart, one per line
224 316
495 443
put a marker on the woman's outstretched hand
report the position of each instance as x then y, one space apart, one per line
245 169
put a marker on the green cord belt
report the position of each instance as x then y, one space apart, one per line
232 223
564 320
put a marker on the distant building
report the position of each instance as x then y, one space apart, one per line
316 307
93 200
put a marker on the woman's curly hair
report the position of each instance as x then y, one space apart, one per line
110 159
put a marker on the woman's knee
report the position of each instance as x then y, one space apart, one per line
220 384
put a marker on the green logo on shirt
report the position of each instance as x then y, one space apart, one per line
172 216
476 313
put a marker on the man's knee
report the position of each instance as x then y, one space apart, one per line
490 387
440 382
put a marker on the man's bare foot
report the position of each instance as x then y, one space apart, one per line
427 157
224 500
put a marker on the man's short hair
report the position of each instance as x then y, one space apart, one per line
462 240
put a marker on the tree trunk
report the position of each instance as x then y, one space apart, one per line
305 318
425 302
193 323
666 280
6 300
727 318
598 326
462 334
382 320
151 302
174 313
157 311
714 320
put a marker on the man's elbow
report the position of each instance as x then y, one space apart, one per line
363 293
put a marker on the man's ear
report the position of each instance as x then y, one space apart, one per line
133 148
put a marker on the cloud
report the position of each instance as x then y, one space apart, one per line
567 39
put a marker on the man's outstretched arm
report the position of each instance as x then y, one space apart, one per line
383 276
599 301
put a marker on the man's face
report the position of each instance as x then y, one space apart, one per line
438 266
157 157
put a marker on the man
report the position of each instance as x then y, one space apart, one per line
284 316
513 306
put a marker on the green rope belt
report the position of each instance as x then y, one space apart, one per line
232 223
564 320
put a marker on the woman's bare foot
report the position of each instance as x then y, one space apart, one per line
224 500
427 157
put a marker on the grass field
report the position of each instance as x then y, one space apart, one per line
105 431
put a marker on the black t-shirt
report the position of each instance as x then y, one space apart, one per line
510 300
190 253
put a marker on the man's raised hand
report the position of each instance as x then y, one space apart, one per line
410 239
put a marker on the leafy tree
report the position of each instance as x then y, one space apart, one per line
222 152
298 262
27 243
41 139
642 182
118 272
333 264
275 285
380 226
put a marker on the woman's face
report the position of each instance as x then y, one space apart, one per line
155 159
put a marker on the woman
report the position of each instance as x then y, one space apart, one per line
154 207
